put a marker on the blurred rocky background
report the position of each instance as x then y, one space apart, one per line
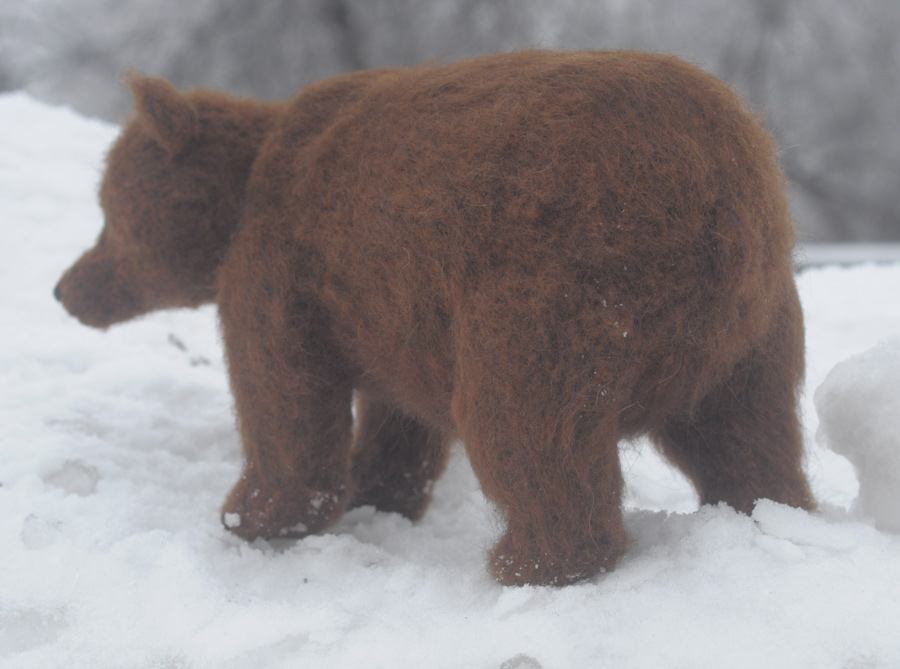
825 72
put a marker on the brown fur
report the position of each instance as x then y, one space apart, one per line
539 253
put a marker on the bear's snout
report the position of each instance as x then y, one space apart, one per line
97 294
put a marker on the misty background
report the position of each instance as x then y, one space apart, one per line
825 72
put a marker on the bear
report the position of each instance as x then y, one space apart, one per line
538 254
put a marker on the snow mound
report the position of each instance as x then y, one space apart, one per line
859 417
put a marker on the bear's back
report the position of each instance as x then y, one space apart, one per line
616 192
598 153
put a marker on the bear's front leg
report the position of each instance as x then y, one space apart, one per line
295 478
293 403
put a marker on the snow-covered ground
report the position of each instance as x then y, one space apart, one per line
117 449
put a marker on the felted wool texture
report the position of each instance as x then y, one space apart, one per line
539 253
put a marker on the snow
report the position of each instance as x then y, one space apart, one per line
118 448
859 409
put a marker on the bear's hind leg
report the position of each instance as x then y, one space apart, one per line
744 441
560 492
541 435
551 467
396 459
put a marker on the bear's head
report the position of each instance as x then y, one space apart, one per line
171 197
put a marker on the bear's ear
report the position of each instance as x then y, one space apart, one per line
167 115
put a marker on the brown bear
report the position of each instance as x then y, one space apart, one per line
537 253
